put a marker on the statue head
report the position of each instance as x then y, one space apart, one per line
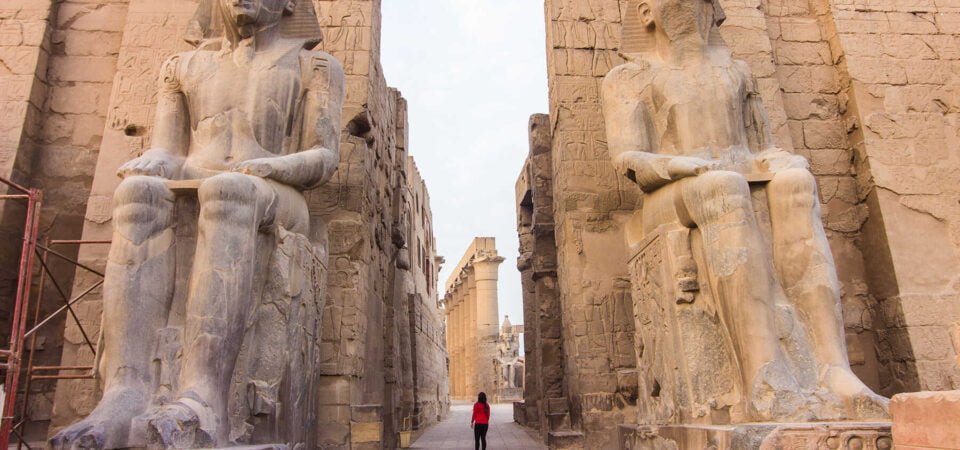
648 21
245 16
214 19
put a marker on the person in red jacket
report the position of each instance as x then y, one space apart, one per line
480 421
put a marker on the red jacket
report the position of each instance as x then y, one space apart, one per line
481 413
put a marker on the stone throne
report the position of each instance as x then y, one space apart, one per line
736 302
216 281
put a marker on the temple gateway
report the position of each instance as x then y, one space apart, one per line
737 228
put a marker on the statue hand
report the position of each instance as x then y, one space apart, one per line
153 162
686 166
777 160
260 167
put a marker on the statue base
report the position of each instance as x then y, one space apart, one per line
758 436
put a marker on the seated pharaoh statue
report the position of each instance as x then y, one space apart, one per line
212 222
737 299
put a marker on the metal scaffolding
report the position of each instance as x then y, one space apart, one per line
23 340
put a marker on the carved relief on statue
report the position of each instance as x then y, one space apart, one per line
244 125
685 123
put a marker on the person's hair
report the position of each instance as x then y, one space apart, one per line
482 398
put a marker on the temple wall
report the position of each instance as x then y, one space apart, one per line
429 362
543 321
902 65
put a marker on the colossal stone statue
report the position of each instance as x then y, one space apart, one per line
244 125
744 325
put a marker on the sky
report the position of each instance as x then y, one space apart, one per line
472 71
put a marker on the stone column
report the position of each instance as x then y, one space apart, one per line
487 324
471 329
451 345
461 337
461 342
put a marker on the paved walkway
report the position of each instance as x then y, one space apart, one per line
455 432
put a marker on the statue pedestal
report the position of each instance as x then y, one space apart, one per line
759 436
684 354
926 420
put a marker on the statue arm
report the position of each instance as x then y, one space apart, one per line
320 139
631 135
171 131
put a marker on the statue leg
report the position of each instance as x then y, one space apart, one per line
232 244
806 269
741 276
233 208
137 293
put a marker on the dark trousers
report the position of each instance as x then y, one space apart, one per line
480 435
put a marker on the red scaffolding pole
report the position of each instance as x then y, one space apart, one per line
12 359
13 356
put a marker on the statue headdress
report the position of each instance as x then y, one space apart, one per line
637 39
302 24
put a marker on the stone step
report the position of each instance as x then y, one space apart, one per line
565 440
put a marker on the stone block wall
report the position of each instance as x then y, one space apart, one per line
543 321
902 64
430 392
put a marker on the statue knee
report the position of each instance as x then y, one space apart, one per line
142 206
718 194
731 187
796 186
227 196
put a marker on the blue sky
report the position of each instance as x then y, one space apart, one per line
472 71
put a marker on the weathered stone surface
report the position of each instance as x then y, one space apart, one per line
374 206
926 420
804 60
725 333
194 311
760 436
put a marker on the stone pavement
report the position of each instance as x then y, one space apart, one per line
455 432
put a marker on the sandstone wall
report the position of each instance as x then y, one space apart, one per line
86 76
901 63
866 90
429 363
543 320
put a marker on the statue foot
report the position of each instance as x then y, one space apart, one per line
777 397
108 426
861 402
185 423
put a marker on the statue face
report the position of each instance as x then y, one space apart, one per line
681 18
243 13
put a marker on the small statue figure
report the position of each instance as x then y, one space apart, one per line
252 117
685 122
